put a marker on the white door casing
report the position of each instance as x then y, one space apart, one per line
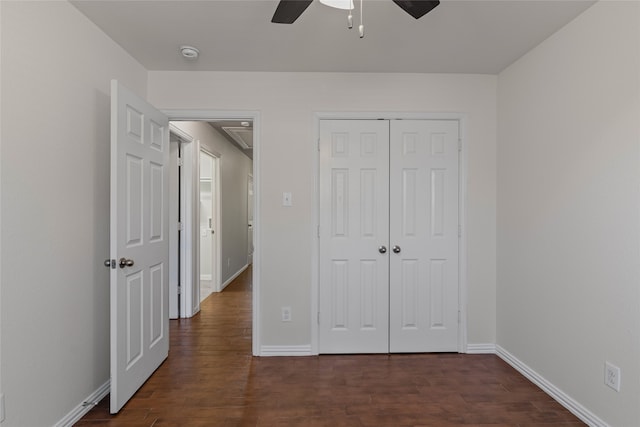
139 233
208 219
423 287
416 210
354 224
250 219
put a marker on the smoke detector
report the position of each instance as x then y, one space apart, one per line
189 52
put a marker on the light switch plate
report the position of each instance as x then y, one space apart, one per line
287 199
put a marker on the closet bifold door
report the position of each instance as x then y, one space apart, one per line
354 235
424 236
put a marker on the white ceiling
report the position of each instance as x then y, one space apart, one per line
476 36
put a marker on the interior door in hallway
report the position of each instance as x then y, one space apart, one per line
388 236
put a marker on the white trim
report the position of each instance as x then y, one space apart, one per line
462 247
215 158
558 395
184 251
208 115
190 281
285 350
252 211
462 243
185 137
85 406
232 278
487 348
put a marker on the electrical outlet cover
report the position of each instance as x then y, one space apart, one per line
612 376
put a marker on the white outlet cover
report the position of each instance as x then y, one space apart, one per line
612 376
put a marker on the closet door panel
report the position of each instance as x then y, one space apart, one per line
354 224
423 284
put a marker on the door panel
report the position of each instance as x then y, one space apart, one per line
354 222
139 232
392 184
423 287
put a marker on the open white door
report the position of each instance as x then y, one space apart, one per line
139 242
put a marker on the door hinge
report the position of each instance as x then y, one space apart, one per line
180 162
179 226
179 290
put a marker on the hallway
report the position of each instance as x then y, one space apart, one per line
211 379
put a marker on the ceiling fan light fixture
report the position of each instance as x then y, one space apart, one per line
338 4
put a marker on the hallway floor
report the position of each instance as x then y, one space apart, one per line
211 379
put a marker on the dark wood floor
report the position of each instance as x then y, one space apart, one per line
211 379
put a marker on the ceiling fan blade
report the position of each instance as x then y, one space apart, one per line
289 10
417 8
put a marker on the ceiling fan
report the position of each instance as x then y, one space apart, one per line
289 10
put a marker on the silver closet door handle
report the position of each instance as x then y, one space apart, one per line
396 249
382 249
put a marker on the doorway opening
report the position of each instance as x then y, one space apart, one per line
216 230
209 217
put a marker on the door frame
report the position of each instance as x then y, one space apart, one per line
461 118
179 254
250 208
189 158
216 222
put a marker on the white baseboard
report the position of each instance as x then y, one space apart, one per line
85 406
205 277
558 395
285 350
232 278
481 348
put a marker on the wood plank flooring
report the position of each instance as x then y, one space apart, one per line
211 379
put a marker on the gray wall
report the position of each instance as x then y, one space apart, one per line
287 103
568 208
56 68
